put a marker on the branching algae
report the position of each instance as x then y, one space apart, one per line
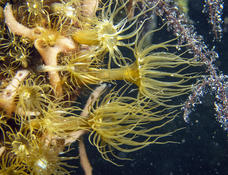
53 51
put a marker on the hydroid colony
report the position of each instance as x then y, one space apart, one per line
52 50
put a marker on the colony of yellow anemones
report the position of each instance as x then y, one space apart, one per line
53 52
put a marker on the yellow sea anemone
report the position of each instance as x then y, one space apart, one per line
76 70
38 154
33 12
58 121
46 160
69 11
159 75
125 124
107 32
33 95
12 165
